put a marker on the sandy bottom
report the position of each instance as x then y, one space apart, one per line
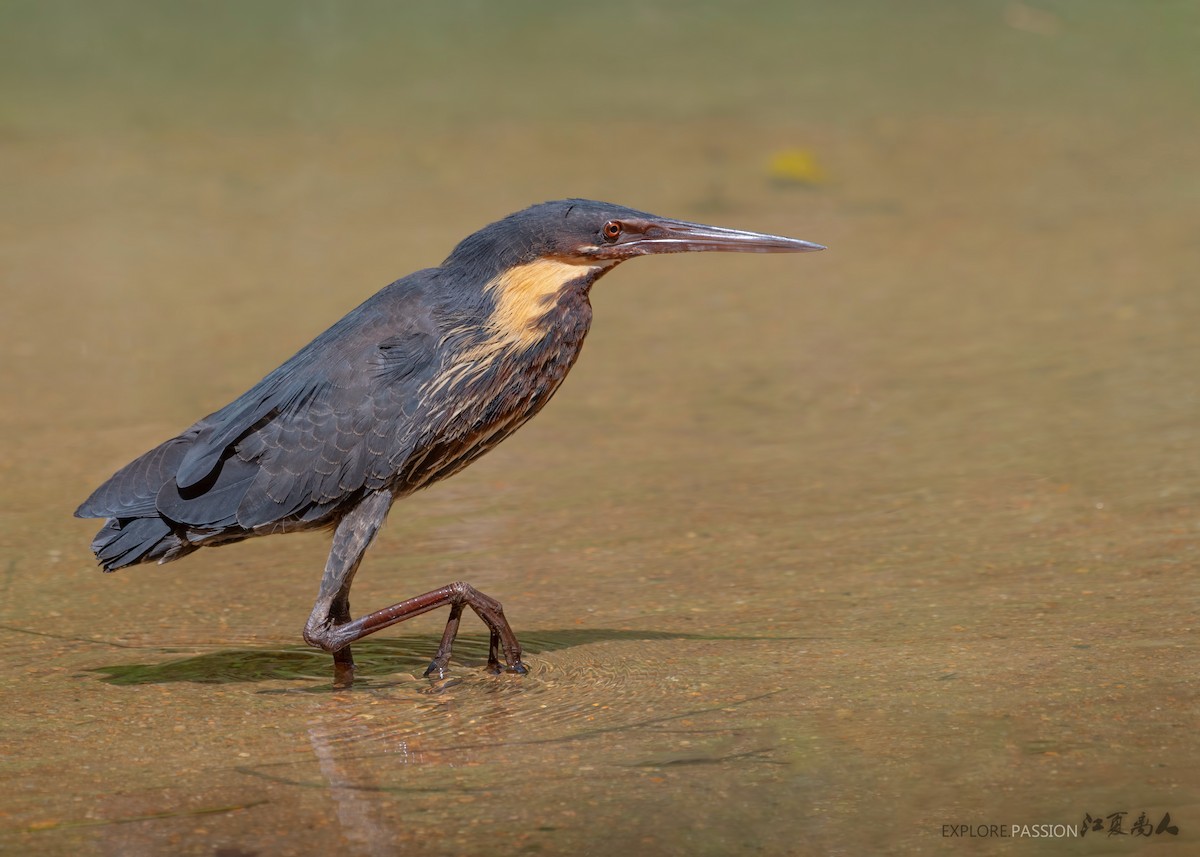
810 555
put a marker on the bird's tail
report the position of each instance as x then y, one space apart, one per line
135 532
130 541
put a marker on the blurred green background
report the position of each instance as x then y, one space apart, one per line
811 555
129 65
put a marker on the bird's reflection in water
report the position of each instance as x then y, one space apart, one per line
346 783
398 755
378 750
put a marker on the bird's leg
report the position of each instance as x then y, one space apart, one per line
332 610
329 626
456 596
343 668
438 664
343 659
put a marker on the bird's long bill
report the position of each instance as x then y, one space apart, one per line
679 236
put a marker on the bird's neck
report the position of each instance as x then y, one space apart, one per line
497 374
541 306
530 300
535 318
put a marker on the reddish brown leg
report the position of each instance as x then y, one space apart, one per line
438 664
343 659
330 628
343 667
493 646
456 595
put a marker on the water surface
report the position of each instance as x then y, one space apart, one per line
810 555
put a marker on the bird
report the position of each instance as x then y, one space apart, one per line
410 387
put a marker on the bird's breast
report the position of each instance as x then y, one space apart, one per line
496 375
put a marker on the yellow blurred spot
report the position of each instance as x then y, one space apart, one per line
795 166
1040 22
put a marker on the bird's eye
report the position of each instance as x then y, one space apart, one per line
611 230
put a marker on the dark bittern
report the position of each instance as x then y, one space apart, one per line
412 386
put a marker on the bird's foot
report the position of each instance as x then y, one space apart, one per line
512 658
439 666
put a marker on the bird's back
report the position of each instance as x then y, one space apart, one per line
290 451
408 388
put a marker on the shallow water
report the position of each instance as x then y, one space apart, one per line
810 555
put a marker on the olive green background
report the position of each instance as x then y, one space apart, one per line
811 555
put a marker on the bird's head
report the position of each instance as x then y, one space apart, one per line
587 233
524 265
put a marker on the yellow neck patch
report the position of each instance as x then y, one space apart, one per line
523 294
522 297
